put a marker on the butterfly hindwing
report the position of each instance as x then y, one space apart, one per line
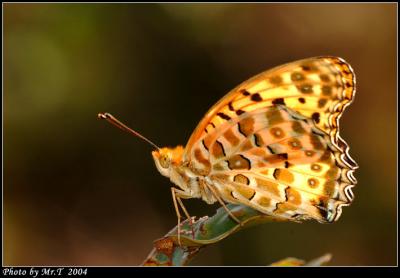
281 165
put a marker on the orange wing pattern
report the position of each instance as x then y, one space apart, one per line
273 142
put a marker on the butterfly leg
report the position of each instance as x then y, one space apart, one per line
213 191
187 215
176 197
178 214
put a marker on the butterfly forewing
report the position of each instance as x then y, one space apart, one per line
272 143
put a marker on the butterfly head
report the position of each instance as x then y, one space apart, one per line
167 158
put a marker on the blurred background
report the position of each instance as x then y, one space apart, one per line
78 191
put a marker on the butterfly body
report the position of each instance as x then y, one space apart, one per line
273 144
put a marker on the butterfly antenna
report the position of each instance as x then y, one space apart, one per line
111 119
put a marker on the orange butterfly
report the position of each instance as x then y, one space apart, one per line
272 143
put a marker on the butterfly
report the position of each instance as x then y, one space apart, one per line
272 143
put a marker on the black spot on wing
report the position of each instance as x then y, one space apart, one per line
223 116
315 117
283 155
278 101
239 112
231 106
256 97
244 92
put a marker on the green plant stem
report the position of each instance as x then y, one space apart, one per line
207 230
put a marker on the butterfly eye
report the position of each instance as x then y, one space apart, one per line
164 161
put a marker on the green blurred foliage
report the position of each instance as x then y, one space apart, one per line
78 192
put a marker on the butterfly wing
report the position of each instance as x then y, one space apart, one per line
282 165
238 140
318 88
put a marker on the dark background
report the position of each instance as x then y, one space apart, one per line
80 192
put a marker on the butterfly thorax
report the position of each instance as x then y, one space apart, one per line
170 163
